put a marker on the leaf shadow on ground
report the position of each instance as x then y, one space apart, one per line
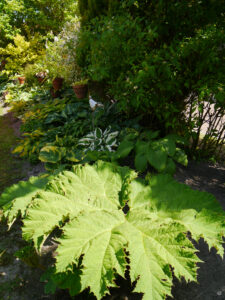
11 167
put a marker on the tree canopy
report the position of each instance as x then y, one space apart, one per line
28 17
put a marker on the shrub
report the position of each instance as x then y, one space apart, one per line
60 59
21 53
180 51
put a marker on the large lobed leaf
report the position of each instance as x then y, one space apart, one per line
16 198
88 205
88 188
199 212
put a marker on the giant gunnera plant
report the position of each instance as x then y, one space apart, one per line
111 222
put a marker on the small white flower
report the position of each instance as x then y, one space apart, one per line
94 104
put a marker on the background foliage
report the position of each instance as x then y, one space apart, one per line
180 51
33 16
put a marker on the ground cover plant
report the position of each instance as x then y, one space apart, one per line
101 238
52 130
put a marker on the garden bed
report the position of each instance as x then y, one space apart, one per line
19 281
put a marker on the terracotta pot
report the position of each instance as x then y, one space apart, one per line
2 65
57 83
80 90
21 79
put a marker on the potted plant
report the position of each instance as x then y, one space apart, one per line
80 88
21 79
2 64
57 83
41 76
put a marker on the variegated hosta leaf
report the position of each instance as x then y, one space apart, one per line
52 154
98 133
99 140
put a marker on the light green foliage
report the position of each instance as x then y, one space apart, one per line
16 198
98 236
55 124
33 16
8 28
21 52
159 153
60 59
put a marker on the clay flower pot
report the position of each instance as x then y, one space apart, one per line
21 79
80 90
57 83
2 65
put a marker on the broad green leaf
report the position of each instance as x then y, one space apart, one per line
124 149
157 158
16 198
141 147
51 154
168 144
180 157
170 166
66 280
100 240
110 219
141 162
153 246
87 188
151 134
199 212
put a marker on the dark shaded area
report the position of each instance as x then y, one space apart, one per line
204 177
211 278
10 166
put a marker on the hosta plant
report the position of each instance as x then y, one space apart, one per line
112 222
100 140
159 153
